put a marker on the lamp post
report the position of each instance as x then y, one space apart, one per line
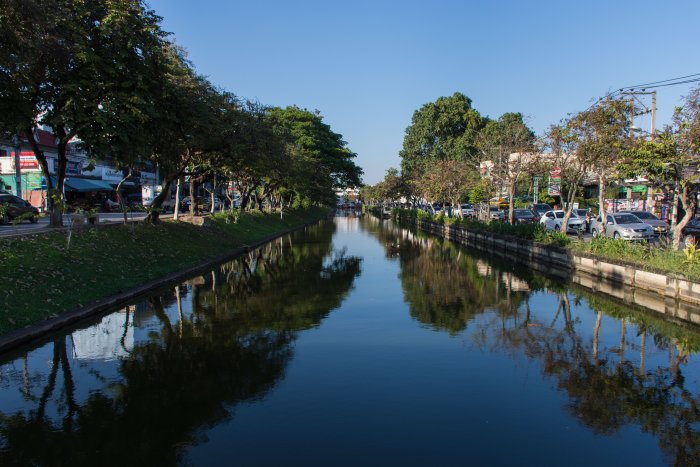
18 171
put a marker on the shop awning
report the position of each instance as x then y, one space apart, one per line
84 184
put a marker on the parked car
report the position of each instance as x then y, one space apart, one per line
622 225
587 217
553 220
16 207
524 216
496 214
205 204
541 208
467 210
657 225
691 232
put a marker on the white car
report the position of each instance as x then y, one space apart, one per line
553 220
467 210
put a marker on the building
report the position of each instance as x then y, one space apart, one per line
88 182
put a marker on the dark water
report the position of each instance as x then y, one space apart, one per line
359 343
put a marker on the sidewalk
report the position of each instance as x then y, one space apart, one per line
42 226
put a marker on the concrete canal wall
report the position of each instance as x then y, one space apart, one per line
665 293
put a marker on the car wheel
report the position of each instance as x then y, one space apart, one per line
557 228
5 219
33 219
594 233
616 235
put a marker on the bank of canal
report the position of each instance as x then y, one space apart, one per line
47 276
357 342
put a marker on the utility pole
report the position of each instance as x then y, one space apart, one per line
653 113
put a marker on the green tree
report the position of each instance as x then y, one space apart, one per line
563 141
450 181
442 130
602 137
77 67
320 159
509 147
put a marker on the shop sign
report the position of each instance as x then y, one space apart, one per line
72 167
27 160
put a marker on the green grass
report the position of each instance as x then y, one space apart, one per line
42 276
651 257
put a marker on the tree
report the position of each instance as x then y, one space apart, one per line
509 147
442 130
77 67
602 136
320 160
564 141
450 181
189 122
670 161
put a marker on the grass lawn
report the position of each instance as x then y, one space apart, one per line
41 276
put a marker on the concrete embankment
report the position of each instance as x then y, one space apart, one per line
668 294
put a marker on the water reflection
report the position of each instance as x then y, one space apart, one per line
167 370
610 383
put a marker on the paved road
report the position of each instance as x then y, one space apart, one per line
26 228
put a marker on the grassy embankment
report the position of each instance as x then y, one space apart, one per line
647 256
42 276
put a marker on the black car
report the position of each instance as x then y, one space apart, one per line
15 207
524 216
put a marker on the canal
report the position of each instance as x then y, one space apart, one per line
358 342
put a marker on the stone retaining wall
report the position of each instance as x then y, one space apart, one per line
664 293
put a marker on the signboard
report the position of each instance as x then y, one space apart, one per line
27 160
554 185
72 167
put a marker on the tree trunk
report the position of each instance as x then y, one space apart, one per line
601 202
511 201
193 197
153 212
56 220
121 198
570 196
213 195
689 201
176 208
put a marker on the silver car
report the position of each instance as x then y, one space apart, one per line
622 225
553 220
657 225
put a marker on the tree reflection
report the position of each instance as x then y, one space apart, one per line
445 287
190 375
608 387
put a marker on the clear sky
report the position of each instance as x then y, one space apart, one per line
368 65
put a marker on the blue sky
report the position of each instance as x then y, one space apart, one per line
368 65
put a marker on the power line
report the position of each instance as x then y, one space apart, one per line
652 85
662 81
672 84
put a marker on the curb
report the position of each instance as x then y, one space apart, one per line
36 331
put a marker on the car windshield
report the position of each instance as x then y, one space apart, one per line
523 212
645 215
626 219
580 212
493 208
466 206
559 214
